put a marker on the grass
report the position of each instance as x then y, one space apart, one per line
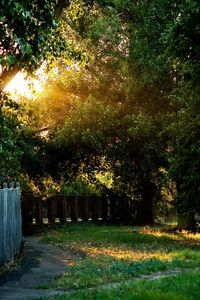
119 254
181 287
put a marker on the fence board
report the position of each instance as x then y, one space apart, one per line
10 224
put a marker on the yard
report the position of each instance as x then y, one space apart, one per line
127 263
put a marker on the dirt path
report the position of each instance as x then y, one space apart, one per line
41 264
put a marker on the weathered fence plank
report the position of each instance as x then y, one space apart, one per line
74 209
85 211
63 209
10 223
104 208
39 212
51 211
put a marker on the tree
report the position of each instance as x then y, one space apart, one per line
183 54
164 58
107 121
9 139
27 34
126 110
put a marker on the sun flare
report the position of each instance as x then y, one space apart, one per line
23 85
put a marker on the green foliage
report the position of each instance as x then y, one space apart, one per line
132 109
10 129
184 162
79 188
181 40
28 48
20 149
182 51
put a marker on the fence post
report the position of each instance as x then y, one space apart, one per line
52 210
94 209
5 185
104 208
39 212
85 208
5 219
2 250
113 207
63 210
74 209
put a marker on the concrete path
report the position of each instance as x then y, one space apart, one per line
41 264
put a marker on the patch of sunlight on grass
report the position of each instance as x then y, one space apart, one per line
126 243
126 253
104 269
181 236
130 236
187 255
115 254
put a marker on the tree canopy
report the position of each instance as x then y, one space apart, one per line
130 111
27 34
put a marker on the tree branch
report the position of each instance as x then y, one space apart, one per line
7 76
61 4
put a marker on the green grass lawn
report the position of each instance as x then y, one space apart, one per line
182 287
122 255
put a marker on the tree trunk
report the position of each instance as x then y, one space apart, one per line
186 222
61 4
145 213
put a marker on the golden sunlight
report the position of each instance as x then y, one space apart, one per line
130 254
23 85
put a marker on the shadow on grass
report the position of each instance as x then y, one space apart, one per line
114 254
130 236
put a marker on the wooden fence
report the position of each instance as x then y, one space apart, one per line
10 222
63 209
